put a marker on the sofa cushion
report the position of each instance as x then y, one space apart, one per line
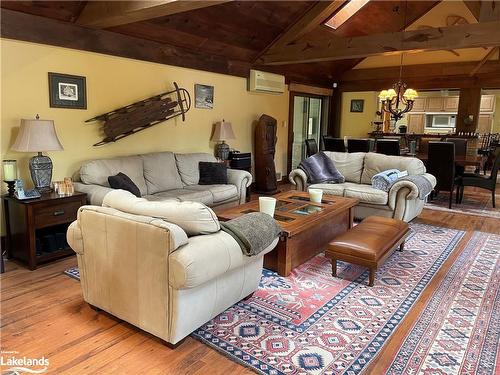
96 172
188 166
193 217
332 189
219 193
366 194
184 195
160 172
212 173
376 163
122 181
350 165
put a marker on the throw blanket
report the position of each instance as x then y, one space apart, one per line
253 232
320 168
423 184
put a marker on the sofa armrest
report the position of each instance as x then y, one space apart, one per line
95 193
206 257
298 178
74 237
240 179
396 192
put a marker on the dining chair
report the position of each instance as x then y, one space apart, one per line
311 147
460 145
460 150
441 164
359 145
481 181
388 147
333 144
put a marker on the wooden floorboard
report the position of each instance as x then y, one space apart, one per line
43 314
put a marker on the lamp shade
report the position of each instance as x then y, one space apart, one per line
223 131
36 136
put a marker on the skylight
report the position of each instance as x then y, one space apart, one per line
346 12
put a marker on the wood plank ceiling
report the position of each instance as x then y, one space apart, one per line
235 34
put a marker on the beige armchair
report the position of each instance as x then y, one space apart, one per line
147 271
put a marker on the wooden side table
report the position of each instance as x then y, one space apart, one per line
29 220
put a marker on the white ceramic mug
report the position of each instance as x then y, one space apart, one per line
267 205
316 195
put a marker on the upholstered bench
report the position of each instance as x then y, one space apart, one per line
368 244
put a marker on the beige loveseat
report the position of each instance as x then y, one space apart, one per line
150 273
162 176
400 202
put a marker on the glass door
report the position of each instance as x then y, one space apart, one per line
307 123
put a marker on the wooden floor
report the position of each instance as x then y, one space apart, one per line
43 314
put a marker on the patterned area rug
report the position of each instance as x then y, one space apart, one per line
458 332
312 323
474 203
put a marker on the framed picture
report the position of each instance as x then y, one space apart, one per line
67 91
357 105
203 96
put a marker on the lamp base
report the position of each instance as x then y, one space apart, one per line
41 172
11 186
223 150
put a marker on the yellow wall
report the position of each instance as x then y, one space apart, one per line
113 82
354 124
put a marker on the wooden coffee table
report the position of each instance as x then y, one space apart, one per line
307 227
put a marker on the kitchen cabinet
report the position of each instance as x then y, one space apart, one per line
418 105
434 104
450 104
415 123
487 103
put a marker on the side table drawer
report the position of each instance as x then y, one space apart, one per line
56 214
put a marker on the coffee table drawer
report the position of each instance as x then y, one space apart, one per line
56 214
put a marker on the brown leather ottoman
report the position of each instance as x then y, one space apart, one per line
368 244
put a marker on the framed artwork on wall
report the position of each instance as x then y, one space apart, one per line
357 105
203 96
67 91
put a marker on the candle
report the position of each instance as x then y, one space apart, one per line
9 170
267 205
316 195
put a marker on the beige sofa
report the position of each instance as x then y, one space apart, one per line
148 272
400 202
162 176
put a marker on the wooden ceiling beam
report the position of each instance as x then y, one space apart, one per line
104 14
317 14
441 38
490 53
489 11
424 76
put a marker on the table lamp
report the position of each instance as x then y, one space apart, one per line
10 175
223 131
38 136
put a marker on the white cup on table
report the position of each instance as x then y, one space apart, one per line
267 205
315 195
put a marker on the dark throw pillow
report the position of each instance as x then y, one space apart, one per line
212 173
320 168
122 181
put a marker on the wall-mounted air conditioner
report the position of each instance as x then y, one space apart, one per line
266 82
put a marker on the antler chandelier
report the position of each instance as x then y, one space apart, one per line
399 95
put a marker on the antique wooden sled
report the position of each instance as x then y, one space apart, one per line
138 116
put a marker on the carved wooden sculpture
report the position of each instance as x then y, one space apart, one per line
265 142
138 116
